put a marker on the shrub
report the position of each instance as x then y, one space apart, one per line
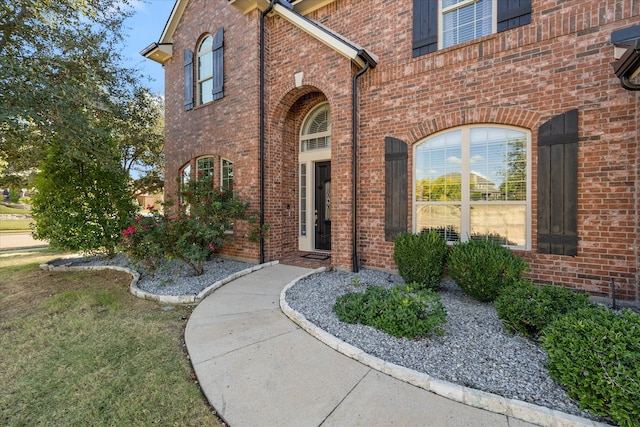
401 311
527 308
595 353
191 232
482 268
421 258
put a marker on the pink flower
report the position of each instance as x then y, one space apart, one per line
144 227
138 218
150 207
213 248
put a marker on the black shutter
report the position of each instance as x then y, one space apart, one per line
188 80
396 187
558 185
513 13
425 26
218 64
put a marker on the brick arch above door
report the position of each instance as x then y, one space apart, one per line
497 115
288 97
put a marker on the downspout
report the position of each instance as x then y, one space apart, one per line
628 84
262 131
355 267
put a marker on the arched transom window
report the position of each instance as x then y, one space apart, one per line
473 182
316 131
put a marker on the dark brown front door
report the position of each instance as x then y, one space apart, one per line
323 205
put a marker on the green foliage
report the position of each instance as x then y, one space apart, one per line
421 258
190 232
401 311
483 268
14 196
527 308
595 354
26 200
60 70
82 201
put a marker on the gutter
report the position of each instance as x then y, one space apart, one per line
628 67
262 122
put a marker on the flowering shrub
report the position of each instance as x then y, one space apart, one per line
191 231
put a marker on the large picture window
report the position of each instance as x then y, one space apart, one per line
474 183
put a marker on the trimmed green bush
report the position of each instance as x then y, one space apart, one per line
527 308
401 311
421 258
595 353
482 268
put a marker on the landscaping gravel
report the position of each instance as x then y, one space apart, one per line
173 279
475 351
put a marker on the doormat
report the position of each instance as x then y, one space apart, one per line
317 257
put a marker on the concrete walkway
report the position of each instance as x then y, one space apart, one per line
258 368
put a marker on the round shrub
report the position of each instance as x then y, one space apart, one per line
421 258
527 308
482 268
595 354
401 311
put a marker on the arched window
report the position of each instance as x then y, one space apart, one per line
473 182
205 70
316 130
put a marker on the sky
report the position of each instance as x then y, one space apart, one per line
142 29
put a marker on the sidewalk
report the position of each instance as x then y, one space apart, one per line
258 368
20 240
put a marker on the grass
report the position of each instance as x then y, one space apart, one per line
10 210
79 349
12 225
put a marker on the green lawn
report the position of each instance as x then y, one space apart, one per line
12 225
9 210
79 349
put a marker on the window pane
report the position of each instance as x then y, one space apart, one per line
504 224
206 91
227 174
444 219
205 66
438 168
206 44
205 168
303 199
498 164
467 22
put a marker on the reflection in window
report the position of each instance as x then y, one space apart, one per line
473 183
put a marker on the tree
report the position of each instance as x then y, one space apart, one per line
62 91
58 60
140 139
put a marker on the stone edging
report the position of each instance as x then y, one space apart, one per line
165 299
476 398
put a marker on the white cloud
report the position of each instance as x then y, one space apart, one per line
454 159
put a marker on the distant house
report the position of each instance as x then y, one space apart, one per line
330 115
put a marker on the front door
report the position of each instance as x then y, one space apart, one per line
323 205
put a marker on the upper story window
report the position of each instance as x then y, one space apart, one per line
209 72
316 130
205 71
474 183
464 20
439 24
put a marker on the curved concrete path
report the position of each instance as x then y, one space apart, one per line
258 368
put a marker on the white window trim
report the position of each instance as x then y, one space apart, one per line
465 170
442 12
324 134
222 160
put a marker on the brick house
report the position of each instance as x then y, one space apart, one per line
348 121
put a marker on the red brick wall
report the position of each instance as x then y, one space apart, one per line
521 77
